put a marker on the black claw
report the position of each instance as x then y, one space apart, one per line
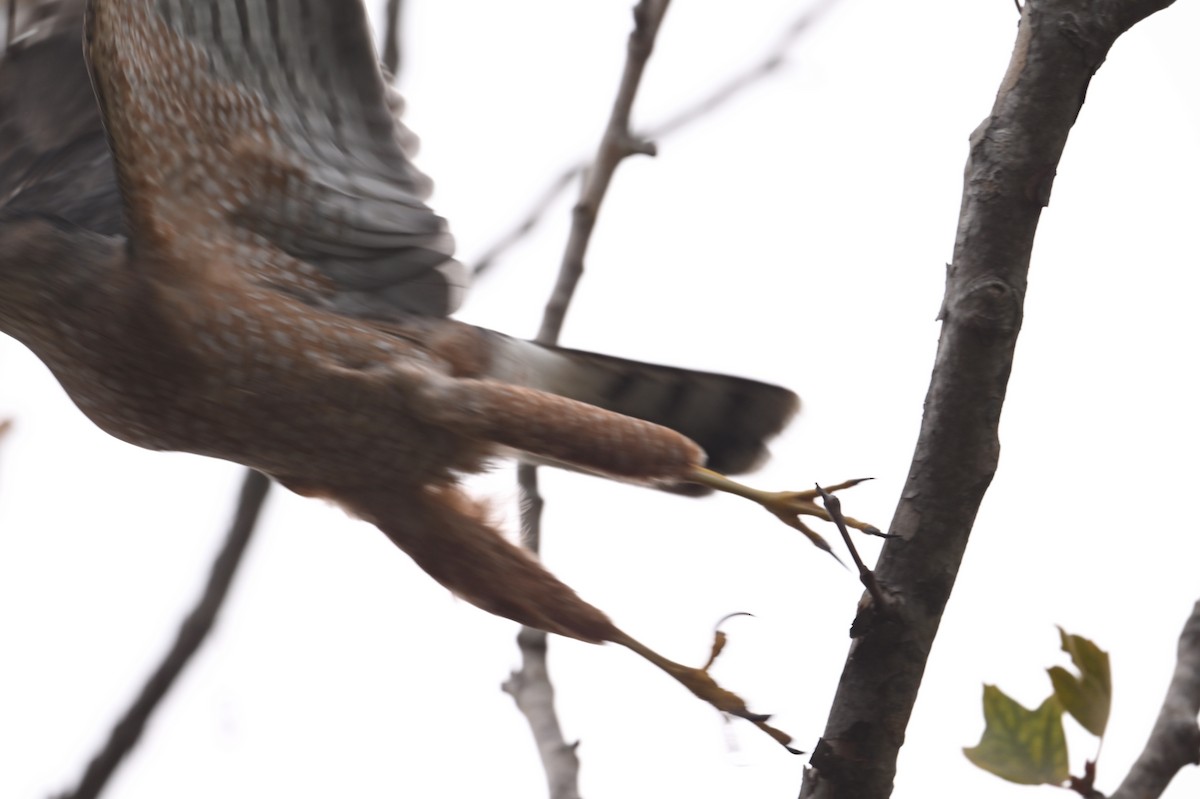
729 616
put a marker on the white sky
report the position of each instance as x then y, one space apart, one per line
799 237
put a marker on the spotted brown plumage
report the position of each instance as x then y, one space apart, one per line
254 275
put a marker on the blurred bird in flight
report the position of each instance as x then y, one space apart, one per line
225 250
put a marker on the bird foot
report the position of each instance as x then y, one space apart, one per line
788 506
702 685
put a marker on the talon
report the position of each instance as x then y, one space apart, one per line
700 683
789 506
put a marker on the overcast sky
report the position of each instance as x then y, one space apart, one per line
799 236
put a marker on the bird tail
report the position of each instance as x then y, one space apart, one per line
731 418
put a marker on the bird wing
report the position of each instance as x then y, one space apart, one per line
273 118
53 156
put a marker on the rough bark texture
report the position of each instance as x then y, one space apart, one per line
1013 157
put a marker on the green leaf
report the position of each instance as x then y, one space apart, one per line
1021 745
1087 697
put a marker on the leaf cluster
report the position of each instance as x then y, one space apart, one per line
1030 746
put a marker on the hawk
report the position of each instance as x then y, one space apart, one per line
226 250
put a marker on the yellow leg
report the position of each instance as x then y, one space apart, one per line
705 687
788 506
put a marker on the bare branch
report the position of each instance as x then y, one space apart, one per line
617 144
532 690
530 220
834 506
1175 740
191 635
1014 153
530 686
770 63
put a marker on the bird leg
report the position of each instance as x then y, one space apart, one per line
577 434
449 536
702 685
787 506
560 430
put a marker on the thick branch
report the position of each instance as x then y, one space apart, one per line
530 686
1175 740
1009 173
191 635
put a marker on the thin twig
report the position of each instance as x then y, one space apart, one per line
771 61
834 506
769 64
1175 740
617 144
533 692
191 635
530 686
530 220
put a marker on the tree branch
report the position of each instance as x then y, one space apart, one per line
530 686
769 64
1010 170
532 690
191 635
529 221
617 144
1175 740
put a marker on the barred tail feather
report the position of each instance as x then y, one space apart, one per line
731 418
